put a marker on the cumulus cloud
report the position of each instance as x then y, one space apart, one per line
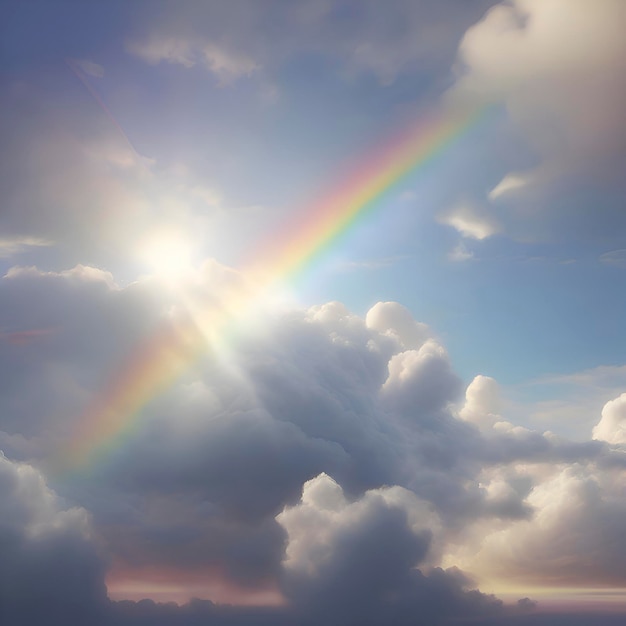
395 320
50 570
208 486
612 425
420 382
219 483
347 562
567 98
572 536
482 401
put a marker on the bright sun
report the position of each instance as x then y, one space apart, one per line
166 253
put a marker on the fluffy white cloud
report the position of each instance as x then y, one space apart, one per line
420 382
567 97
482 402
612 425
324 516
573 536
395 320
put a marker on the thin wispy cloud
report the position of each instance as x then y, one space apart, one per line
12 246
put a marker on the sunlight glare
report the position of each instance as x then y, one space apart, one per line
166 254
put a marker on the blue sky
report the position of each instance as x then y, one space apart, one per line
150 147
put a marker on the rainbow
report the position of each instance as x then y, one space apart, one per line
161 358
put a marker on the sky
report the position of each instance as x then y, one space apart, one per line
312 312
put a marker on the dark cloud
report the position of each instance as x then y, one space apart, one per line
209 466
50 569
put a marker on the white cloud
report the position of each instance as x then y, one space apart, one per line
572 538
483 403
510 183
324 516
395 320
570 404
471 222
11 246
567 99
612 425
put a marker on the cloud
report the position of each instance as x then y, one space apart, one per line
567 99
50 570
207 486
89 67
411 38
617 258
460 253
612 425
69 180
76 190
420 382
156 49
394 320
225 64
509 184
561 146
352 561
567 404
15 245
482 401
573 535
470 222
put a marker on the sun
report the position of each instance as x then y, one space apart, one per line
166 253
